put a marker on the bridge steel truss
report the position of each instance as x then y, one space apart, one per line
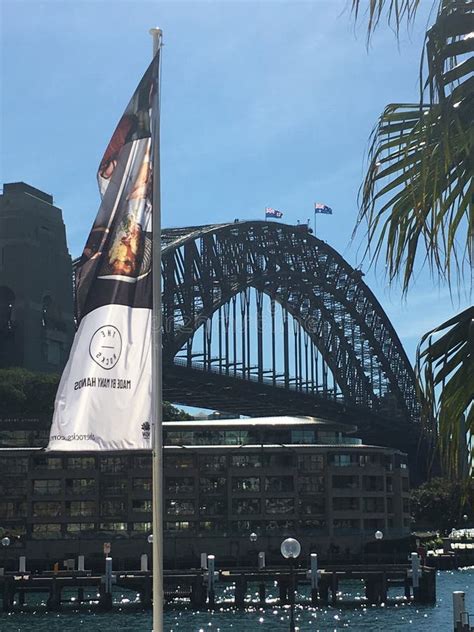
208 275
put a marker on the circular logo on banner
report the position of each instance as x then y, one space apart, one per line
106 346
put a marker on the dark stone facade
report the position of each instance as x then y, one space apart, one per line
36 305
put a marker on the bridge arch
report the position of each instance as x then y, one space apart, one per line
207 270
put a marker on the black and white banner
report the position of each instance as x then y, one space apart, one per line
104 399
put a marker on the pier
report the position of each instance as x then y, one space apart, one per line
196 588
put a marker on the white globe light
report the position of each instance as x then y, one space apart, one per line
290 548
150 538
6 541
378 535
253 537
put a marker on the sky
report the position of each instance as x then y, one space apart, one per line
265 103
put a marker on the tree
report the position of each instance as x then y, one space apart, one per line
418 201
25 393
440 504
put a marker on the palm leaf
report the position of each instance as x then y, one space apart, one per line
418 193
445 369
396 11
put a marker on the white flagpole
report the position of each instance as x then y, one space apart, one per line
156 370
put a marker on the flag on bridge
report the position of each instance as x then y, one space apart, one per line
322 208
104 396
271 212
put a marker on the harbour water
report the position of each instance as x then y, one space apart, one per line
128 617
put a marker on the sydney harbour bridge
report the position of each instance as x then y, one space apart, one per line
264 318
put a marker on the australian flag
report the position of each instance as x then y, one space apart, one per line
322 208
271 212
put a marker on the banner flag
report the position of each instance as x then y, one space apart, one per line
271 212
322 208
104 396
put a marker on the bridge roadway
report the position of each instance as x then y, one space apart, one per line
204 389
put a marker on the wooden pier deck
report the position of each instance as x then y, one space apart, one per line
196 588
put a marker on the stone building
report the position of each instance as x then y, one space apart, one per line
36 303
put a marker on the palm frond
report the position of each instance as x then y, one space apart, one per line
418 193
445 369
396 11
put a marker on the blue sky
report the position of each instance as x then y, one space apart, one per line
263 104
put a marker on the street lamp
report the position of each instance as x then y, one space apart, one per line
5 544
150 538
290 549
378 537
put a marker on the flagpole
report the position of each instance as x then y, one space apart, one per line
156 370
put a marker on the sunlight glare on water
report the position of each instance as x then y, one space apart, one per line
127 616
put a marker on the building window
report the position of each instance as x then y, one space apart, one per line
212 484
12 509
114 486
279 484
279 505
180 525
310 484
280 460
76 529
46 531
389 505
311 462
12 487
369 459
246 484
281 527
406 505
343 460
181 462
313 506
113 527
142 485
372 524
374 505
113 464
80 486
212 507
405 484
143 462
45 509
389 484
246 460
372 483
141 527
340 481
179 485
47 463
80 463
80 508
47 487
303 436
213 463
110 508
177 507
312 525
142 506
346 523
246 506
17 465
345 504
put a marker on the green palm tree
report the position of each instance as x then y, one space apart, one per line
418 202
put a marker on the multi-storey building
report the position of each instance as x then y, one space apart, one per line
223 480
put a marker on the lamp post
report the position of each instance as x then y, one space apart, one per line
290 549
378 537
5 544
253 538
